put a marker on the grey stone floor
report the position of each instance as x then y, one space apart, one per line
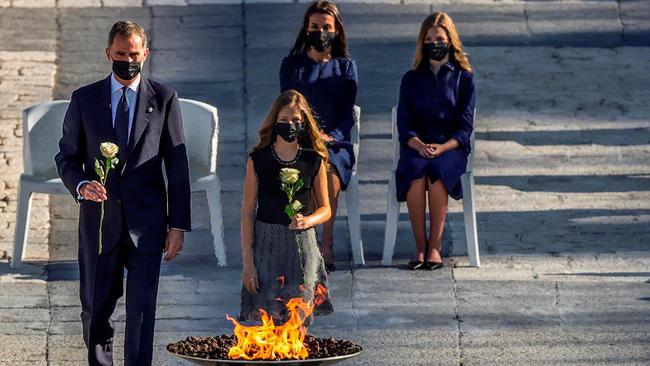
563 178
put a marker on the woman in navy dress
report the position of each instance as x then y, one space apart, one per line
434 120
320 68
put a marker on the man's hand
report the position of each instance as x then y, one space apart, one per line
93 191
173 244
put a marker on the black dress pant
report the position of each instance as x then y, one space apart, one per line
101 285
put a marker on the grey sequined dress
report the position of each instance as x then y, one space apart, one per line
288 262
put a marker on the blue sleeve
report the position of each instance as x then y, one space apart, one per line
466 105
174 154
342 132
71 156
404 113
285 75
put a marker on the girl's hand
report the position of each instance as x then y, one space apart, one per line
438 149
426 151
300 222
249 279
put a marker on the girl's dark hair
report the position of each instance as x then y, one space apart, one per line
339 44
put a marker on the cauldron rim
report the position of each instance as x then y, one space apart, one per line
315 361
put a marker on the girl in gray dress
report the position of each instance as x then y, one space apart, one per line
280 254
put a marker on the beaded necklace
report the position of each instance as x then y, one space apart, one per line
284 162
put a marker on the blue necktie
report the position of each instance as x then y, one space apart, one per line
122 125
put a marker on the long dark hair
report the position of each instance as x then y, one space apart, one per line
339 44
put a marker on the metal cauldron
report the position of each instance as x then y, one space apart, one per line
307 362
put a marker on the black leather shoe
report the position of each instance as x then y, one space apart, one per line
413 265
432 265
104 353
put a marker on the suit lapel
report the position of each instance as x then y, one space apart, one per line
144 106
104 113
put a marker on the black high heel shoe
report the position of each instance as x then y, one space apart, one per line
330 267
433 265
413 265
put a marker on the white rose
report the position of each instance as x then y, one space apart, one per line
109 150
289 175
297 205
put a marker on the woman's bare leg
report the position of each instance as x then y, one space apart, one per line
416 203
334 189
438 199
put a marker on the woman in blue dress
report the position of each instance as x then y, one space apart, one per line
320 68
434 120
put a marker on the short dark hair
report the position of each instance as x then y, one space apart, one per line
126 28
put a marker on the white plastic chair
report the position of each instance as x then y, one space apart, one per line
201 130
41 123
392 213
352 196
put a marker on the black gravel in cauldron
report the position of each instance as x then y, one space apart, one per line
218 347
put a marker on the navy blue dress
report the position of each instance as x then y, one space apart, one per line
435 109
331 90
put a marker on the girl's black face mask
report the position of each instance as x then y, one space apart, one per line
436 50
320 40
288 131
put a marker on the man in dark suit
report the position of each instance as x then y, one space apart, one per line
143 217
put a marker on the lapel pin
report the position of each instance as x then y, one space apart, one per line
149 109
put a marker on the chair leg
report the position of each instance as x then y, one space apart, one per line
216 222
354 219
22 224
392 218
469 213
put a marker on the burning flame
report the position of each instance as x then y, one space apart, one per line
269 341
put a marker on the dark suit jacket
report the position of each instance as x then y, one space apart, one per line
137 195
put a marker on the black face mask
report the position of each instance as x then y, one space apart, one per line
288 131
126 70
320 40
436 51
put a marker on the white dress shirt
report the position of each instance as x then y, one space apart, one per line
116 94
131 95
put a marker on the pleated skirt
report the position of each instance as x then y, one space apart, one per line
289 264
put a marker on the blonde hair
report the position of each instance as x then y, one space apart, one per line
310 138
444 21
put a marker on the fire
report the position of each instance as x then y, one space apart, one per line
271 342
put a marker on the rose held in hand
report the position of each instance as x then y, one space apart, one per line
109 151
290 184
